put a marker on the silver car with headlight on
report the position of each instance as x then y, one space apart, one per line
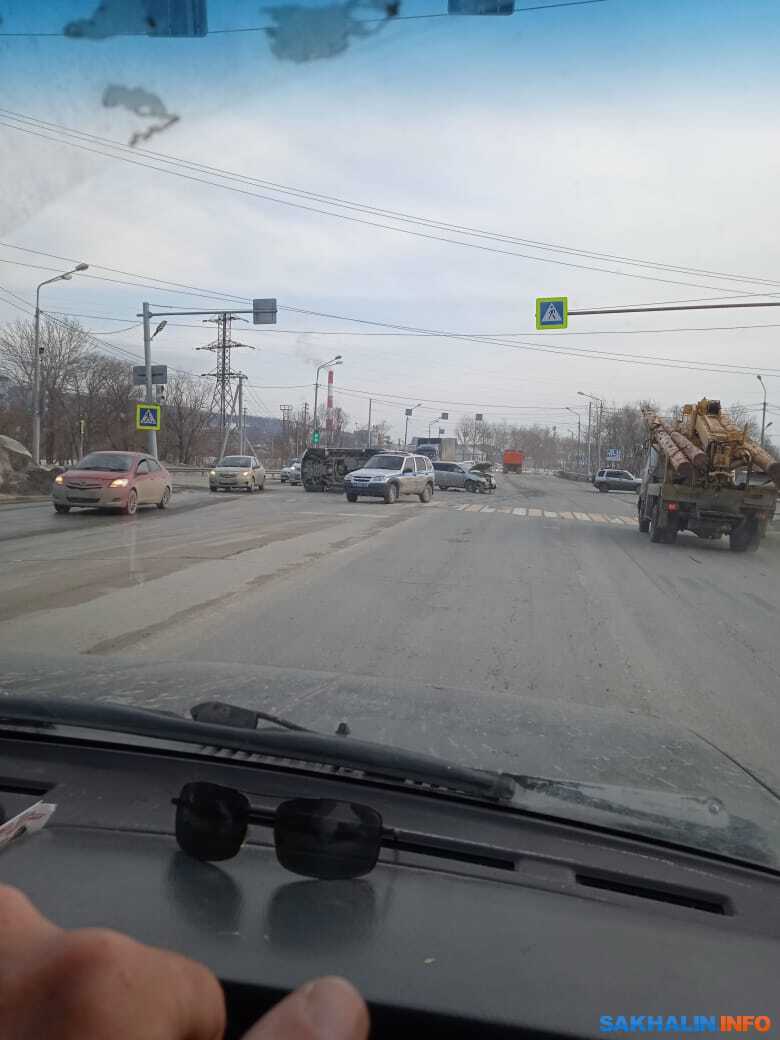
237 473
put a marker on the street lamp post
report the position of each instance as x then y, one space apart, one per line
598 427
579 450
337 360
406 427
763 413
36 402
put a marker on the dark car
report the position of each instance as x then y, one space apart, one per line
616 480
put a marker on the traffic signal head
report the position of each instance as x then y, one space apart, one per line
315 438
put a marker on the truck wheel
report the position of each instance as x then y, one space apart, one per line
391 494
656 532
351 497
746 537
426 494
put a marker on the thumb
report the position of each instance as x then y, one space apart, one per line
325 1009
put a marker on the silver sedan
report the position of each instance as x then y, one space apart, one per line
237 473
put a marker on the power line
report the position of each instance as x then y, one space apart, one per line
49 131
387 19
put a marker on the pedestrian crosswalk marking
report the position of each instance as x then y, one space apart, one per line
541 514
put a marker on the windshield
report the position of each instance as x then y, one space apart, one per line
111 461
236 462
385 462
532 241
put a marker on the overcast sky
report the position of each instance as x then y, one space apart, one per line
639 129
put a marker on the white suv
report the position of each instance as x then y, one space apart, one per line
391 474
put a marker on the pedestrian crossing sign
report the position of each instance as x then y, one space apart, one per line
147 417
552 313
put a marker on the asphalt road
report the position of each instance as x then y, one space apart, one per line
544 590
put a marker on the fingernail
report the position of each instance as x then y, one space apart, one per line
333 1007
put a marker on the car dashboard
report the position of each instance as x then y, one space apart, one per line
528 926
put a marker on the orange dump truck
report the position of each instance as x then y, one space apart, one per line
513 461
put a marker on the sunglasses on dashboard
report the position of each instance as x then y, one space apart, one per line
316 837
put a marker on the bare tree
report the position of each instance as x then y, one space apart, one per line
186 419
64 345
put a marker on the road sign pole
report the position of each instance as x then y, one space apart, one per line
147 317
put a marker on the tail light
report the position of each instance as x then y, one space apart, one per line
672 507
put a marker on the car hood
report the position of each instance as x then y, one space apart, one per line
375 473
619 770
94 475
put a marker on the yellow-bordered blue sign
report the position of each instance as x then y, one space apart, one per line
147 416
552 312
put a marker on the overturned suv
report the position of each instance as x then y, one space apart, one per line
391 474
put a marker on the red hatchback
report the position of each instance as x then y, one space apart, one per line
113 480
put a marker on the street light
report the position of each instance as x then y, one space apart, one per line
36 431
406 427
598 427
337 360
763 413
579 450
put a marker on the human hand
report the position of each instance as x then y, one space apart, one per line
93 983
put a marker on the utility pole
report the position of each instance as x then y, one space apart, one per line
370 402
590 453
151 435
241 424
82 425
763 413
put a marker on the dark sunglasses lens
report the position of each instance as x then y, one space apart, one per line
325 839
211 821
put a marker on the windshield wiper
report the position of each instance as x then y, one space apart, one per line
374 760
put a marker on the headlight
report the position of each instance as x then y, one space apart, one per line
119 482
59 479
247 473
378 480
212 473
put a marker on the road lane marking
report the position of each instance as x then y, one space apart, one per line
488 509
566 516
549 515
504 509
473 509
520 511
599 518
582 516
534 512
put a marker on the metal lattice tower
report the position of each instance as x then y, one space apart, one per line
223 402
